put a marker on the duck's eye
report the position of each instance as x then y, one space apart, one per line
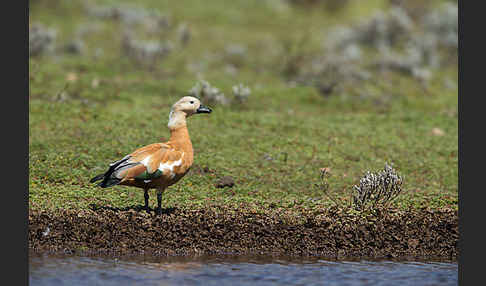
191 102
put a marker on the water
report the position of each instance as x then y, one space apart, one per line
234 270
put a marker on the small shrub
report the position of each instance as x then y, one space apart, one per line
377 188
41 39
145 53
129 15
241 93
209 94
389 41
148 37
323 186
330 5
183 34
236 55
212 95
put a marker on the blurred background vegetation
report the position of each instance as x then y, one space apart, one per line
295 85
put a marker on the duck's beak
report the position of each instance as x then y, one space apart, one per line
203 109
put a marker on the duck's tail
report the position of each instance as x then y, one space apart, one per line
109 177
97 178
108 180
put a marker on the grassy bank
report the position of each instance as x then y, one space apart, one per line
89 108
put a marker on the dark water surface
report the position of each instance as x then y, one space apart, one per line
234 270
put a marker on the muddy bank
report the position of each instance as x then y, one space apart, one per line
331 232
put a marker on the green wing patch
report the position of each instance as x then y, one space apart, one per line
149 176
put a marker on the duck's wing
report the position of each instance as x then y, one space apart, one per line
145 163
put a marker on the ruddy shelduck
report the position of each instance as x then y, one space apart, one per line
159 165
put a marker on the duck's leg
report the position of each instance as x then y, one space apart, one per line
146 196
158 210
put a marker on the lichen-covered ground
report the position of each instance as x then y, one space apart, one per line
344 87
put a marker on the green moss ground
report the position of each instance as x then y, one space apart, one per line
73 138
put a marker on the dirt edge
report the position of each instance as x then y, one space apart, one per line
332 232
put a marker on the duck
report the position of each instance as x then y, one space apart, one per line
158 165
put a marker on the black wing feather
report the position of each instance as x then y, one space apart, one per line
109 178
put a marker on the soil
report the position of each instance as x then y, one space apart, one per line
219 230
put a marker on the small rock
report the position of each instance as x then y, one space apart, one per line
438 132
72 77
95 83
46 232
267 157
413 243
226 181
75 47
207 170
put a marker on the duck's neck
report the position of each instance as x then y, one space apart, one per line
179 135
177 119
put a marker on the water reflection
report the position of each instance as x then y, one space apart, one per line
234 270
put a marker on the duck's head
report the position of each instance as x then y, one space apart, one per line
184 108
190 105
